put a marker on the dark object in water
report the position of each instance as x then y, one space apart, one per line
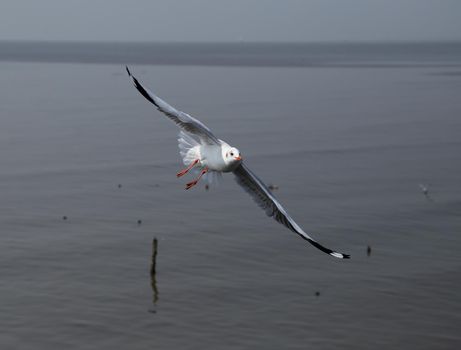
119 185
368 250
139 222
154 257
273 187
153 271
64 218
317 293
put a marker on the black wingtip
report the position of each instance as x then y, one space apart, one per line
140 88
324 249
340 255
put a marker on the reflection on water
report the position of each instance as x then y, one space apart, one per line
153 280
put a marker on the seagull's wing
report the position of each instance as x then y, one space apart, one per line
183 120
262 195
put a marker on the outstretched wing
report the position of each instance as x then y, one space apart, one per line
262 195
183 120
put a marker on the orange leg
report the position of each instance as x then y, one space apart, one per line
185 171
193 183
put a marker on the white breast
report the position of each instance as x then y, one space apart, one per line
211 157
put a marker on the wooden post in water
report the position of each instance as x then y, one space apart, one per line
153 271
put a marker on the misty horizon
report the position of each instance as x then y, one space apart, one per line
211 21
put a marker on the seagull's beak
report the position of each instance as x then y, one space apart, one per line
238 158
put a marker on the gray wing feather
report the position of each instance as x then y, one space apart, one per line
183 120
266 200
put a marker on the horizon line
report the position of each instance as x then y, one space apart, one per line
241 42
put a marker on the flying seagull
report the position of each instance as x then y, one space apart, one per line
202 150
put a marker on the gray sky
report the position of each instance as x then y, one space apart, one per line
231 20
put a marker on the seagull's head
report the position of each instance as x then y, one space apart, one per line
232 156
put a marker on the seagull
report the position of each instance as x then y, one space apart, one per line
424 189
201 150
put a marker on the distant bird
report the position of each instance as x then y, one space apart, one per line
202 150
425 191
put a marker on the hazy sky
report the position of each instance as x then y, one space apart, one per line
231 20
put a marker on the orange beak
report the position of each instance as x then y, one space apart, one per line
238 158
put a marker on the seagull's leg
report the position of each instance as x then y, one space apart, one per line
185 171
193 183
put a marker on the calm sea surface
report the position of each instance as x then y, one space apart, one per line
347 132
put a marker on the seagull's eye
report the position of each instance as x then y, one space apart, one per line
232 154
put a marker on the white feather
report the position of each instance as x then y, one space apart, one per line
189 148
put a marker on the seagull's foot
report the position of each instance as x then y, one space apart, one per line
181 173
185 171
191 184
